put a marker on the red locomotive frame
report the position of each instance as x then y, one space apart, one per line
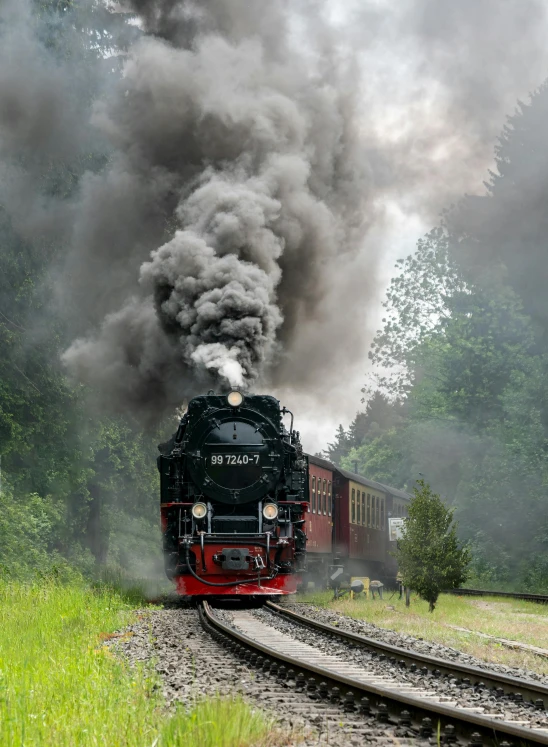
254 582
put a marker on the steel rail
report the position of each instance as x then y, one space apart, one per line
539 598
493 731
529 689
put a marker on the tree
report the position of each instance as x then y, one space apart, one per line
464 346
76 478
385 459
429 556
417 304
380 416
340 447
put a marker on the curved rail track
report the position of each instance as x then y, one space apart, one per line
419 710
539 598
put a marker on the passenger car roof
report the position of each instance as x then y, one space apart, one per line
360 479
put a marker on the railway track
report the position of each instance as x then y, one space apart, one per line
529 690
539 598
417 710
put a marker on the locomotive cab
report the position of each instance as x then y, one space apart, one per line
234 488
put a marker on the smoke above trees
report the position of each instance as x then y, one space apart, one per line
463 347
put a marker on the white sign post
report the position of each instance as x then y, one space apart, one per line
395 529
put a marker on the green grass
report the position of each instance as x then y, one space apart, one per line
218 722
512 619
61 686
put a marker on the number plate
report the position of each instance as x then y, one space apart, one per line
233 460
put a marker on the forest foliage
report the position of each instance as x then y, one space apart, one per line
461 365
77 487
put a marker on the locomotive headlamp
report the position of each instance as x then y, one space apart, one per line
199 510
235 399
270 511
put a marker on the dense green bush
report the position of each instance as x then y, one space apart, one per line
29 530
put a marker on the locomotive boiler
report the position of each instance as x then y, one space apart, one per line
234 491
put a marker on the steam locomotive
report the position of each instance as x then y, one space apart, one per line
234 491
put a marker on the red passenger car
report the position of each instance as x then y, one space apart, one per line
348 523
319 519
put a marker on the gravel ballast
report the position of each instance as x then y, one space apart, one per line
190 664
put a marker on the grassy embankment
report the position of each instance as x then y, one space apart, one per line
514 620
60 686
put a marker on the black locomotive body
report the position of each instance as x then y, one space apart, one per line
234 491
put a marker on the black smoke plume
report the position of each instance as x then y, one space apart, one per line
244 155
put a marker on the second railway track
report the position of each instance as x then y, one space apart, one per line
419 708
529 690
525 596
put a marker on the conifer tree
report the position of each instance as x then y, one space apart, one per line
429 555
340 447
